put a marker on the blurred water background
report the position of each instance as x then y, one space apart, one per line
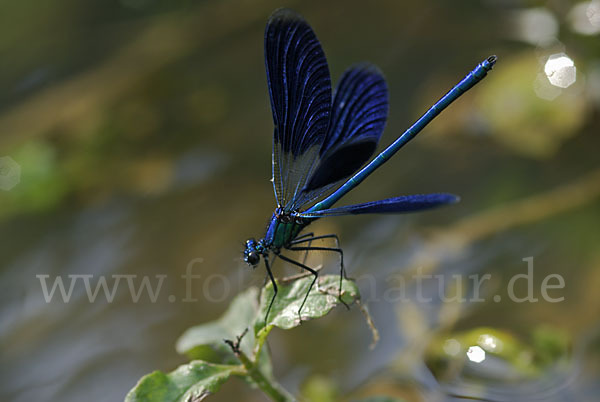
140 134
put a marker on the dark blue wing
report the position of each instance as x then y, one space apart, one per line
300 91
359 114
408 203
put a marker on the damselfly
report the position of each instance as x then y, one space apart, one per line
320 140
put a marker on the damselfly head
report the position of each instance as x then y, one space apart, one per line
251 254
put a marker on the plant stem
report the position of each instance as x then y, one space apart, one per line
260 340
272 389
268 386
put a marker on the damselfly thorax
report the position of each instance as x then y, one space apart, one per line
283 228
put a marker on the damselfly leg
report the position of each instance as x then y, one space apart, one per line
307 237
266 258
307 268
336 249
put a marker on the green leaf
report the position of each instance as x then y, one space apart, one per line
189 382
197 342
322 298
381 399
205 341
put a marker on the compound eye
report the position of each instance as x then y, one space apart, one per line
253 258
